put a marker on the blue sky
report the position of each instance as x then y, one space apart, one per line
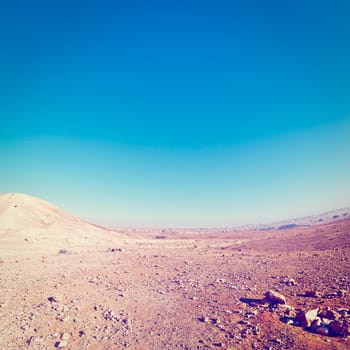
190 113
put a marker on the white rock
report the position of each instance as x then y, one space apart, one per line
65 336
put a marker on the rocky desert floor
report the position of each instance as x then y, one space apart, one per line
180 290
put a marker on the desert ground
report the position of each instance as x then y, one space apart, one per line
65 283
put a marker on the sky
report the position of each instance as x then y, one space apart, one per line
177 113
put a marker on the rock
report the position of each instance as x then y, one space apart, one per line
65 336
55 298
289 282
61 344
218 344
313 294
305 318
316 323
331 295
64 251
292 282
275 297
339 328
323 330
285 309
114 250
250 314
330 314
31 340
341 293
288 320
344 312
109 315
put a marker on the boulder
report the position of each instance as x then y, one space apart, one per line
329 314
306 318
339 328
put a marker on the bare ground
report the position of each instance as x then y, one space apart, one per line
201 291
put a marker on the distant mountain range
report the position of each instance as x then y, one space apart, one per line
311 220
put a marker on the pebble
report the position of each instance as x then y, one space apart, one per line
61 344
55 298
218 344
65 336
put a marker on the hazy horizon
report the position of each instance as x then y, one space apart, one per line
177 114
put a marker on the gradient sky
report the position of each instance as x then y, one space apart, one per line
177 113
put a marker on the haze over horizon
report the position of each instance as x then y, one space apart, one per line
177 114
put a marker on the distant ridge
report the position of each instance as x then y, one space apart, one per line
311 220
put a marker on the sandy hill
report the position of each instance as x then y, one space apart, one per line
28 223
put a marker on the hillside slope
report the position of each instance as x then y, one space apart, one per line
27 220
